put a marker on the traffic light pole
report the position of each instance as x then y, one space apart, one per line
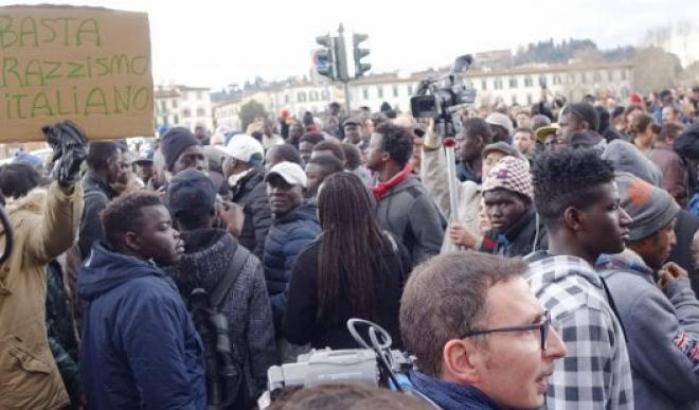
347 98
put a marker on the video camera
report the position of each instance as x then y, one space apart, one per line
376 365
439 98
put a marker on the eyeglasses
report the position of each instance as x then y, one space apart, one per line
543 328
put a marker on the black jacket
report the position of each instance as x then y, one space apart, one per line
251 194
300 323
97 196
525 236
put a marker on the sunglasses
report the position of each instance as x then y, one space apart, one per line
543 328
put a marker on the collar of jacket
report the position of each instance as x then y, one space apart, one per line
451 396
383 188
92 179
558 267
465 173
628 261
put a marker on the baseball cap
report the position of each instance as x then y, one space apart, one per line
192 192
352 120
242 147
290 172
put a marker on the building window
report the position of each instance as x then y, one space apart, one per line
201 112
556 79
174 103
623 75
410 89
513 82
163 106
497 84
529 98
287 99
542 80
528 82
395 91
583 77
199 95
484 84
176 119
597 76
571 78
186 113
379 91
325 95
301 96
365 93
513 99
313 95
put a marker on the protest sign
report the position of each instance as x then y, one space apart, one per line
88 65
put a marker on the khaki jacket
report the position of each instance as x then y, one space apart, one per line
434 175
45 223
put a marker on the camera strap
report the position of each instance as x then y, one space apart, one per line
240 257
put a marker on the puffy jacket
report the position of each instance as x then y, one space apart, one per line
408 212
251 193
287 237
45 225
139 346
207 259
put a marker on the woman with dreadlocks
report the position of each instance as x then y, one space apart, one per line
354 269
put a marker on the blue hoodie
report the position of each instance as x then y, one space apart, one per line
139 346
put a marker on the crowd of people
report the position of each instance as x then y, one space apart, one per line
175 273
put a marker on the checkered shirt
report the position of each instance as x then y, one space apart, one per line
596 373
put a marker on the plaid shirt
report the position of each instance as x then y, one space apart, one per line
596 373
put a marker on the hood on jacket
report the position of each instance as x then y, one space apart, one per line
626 157
105 270
628 261
34 201
208 254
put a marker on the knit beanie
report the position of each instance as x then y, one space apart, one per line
512 174
651 208
174 142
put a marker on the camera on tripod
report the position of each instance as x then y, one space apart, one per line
441 97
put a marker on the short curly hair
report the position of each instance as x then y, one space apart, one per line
568 178
397 141
124 215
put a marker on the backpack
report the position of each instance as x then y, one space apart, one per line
226 382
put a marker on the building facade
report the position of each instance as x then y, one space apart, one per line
184 106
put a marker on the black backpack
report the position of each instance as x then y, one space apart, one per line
226 382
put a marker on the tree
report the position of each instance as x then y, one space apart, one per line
249 112
655 69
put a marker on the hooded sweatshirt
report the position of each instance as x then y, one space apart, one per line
139 346
627 158
663 332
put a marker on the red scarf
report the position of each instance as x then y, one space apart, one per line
382 188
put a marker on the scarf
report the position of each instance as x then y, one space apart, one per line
451 396
383 188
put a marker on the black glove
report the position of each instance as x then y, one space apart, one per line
69 146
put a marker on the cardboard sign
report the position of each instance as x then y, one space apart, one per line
89 65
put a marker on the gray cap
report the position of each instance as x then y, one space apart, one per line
651 208
503 147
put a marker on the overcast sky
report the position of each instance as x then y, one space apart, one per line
214 43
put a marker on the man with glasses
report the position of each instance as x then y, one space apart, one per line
578 201
481 339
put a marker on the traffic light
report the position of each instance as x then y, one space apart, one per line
359 53
324 59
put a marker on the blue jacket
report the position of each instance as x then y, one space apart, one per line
287 237
451 396
139 346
